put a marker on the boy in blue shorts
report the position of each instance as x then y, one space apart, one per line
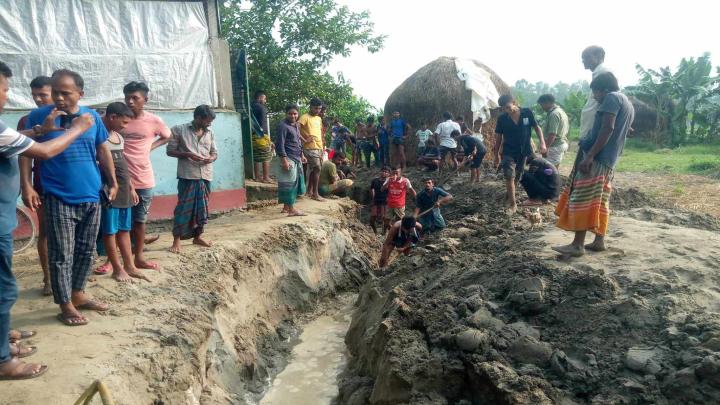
116 215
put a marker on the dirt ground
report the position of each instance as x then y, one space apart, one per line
486 313
214 325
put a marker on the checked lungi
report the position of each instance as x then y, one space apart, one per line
291 183
71 231
584 204
192 210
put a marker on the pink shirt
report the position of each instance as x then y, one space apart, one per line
139 135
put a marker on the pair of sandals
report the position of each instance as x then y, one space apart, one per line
18 369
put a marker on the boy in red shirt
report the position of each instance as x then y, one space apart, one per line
397 187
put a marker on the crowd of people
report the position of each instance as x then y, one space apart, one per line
90 180
111 197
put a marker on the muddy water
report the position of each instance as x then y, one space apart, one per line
310 377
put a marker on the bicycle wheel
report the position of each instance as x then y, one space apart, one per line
25 233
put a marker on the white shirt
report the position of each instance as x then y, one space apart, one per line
444 129
587 117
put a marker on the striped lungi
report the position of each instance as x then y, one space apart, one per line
584 204
261 148
192 210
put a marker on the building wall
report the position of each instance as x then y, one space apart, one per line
229 180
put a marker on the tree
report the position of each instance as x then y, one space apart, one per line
684 97
290 43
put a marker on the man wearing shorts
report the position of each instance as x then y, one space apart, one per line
378 199
446 142
313 144
398 132
474 151
512 132
397 188
142 135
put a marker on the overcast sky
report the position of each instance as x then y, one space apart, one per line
534 40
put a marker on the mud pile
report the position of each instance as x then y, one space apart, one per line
477 315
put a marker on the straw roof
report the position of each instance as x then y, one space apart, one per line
434 89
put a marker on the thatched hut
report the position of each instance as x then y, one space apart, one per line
648 124
434 89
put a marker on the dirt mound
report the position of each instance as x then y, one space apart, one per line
483 314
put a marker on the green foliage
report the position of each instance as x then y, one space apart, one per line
290 43
688 99
571 97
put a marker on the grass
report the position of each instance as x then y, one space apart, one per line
645 157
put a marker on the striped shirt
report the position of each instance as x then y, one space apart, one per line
12 143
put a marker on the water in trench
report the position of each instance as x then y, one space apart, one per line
310 377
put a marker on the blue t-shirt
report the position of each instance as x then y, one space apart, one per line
72 176
397 126
12 144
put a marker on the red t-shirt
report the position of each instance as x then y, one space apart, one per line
396 192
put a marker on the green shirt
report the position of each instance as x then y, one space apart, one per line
557 123
328 173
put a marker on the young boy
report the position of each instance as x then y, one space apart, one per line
423 135
116 215
397 187
431 158
378 197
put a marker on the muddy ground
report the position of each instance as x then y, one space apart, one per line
485 313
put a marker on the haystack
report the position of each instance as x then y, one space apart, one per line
434 89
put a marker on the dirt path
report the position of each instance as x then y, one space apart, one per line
222 310
485 313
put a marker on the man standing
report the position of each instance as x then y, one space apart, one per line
556 129
584 204
142 135
332 181
593 59
397 187
288 147
446 142
261 143
13 144
71 183
193 144
398 130
383 135
311 133
41 89
512 132
428 204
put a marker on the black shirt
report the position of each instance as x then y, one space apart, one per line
516 137
380 195
546 174
259 111
469 143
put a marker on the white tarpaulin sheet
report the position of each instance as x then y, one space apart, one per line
477 80
110 43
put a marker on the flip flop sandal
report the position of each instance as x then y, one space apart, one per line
150 266
104 269
25 376
92 305
17 351
24 334
65 320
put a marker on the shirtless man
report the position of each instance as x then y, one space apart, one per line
403 236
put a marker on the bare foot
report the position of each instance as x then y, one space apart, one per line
570 250
175 248
201 242
151 239
596 246
285 210
121 276
146 264
296 213
317 198
136 273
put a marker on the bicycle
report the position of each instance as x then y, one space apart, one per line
25 233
